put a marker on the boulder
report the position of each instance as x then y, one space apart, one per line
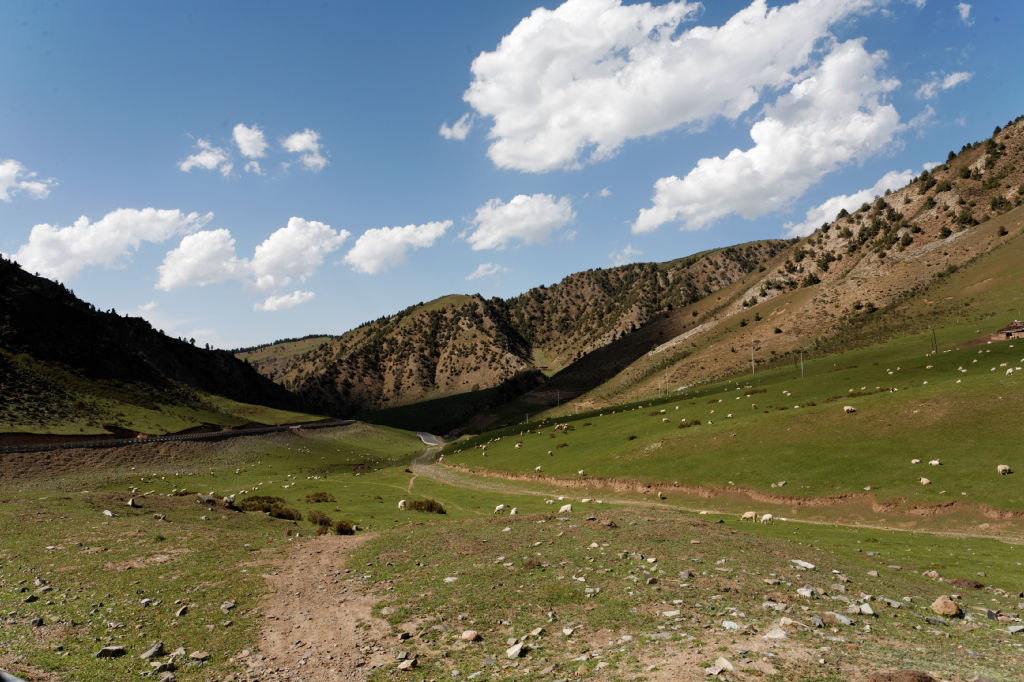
945 606
112 651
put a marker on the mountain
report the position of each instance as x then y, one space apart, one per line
461 344
65 364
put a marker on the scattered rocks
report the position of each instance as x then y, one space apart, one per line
200 656
470 636
945 606
181 612
112 651
155 650
515 651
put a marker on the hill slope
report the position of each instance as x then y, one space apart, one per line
63 361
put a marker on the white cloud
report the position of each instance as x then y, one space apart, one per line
250 141
202 258
832 116
209 158
60 252
922 120
528 219
625 255
294 252
458 130
384 247
14 178
306 143
486 270
964 10
284 301
930 89
826 211
917 3
571 85
253 167
606 192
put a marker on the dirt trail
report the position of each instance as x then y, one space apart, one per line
318 622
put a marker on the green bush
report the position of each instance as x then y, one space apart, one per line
318 518
343 527
427 505
274 506
320 497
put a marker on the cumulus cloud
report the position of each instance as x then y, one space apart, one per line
571 85
15 178
964 10
284 301
251 141
60 252
208 158
625 255
527 219
930 89
826 211
202 258
606 192
458 130
306 143
486 270
294 252
291 253
384 247
832 116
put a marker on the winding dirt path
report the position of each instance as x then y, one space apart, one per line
318 621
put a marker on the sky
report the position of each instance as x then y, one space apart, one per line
242 172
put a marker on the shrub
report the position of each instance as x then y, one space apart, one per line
273 506
778 331
1003 232
343 527
945 231
427 505
318 518
320 497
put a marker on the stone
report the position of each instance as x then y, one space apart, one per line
181 612
838 618
803 565
945 606
112 651
730 625
407 664
776 633
107 512
167 676
1015 629
671 614
36 622
227 606
199 656
865 610
470 636
808 591
514 651
155 650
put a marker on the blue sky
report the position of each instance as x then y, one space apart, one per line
243 172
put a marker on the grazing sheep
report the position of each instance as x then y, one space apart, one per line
915 461
565 509
935 462
549 501
749 516
1004 469
849 409
514 511
767 518
925 481
664 420
536 469
401 505
1009 372
518 445
500 508
580 472
550 453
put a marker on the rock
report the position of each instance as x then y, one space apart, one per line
932 620
865 610
945 606
407 664
804 565
160 517
155 650
567 632
670 614
470 636
934 575
199 656
776 633
685 575
837 618
1015 629
167 676
514 651
107 512
730 625
36 622
817 621
133 503
724 664
112 651
808 591
902 676
227 606
181 612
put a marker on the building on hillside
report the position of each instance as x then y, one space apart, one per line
1014 330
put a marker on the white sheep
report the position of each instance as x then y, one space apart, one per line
401 505
518 445
500 508
664 420
565 509
915 461
849 409
1004 469
749 516
513 511
537 469
935 462
925 481
550 453
767 518
1009 372
580 472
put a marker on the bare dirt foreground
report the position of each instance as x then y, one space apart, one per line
318 624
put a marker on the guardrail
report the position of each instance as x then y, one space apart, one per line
205 435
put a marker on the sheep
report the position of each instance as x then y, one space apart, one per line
935 462
849 409
1004 469
551 453
915 461
1009 372
401 505
537 469
513 511
580 472
749 516
549 501
664 420
767 518
925 481
518 445
500 508
565 509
